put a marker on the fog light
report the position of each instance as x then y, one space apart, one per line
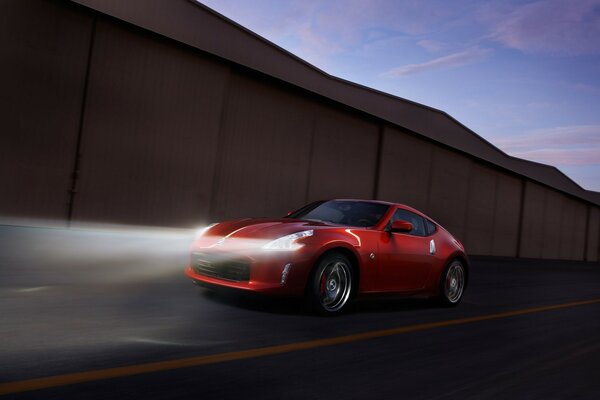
284 274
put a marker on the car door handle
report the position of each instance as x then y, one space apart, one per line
432 247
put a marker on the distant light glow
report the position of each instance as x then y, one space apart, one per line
47 253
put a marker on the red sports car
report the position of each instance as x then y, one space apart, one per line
330 251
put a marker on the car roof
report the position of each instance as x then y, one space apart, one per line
409 208
365 201
375 201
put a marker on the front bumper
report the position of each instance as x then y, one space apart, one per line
260 272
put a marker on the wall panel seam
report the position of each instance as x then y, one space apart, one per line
310 154
378 160
214 187
521 211
588 215
77 157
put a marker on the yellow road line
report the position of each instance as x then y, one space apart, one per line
80 377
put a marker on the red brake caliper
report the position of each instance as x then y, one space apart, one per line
322 285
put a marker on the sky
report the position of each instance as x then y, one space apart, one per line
525 75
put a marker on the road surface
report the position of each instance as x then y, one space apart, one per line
106 312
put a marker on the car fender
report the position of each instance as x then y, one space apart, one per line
434 283
348 241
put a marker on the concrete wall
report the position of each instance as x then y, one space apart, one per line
344 156
573 230
449 190
150 131
507 215
43 64
172 136
532 230
405 169
480 216
264 157
554 225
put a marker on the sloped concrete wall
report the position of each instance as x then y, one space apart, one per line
343 156
149 131
264 158
449 190
43 65
405 169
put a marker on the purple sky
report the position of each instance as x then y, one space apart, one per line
525 75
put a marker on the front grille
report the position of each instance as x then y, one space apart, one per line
221 266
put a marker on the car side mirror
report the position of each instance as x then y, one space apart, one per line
401 226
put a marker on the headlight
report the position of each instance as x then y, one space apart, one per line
202 231
289 242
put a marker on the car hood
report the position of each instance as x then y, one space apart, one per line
252 233
263 228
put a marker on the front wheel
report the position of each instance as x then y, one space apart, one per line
452 284
331 284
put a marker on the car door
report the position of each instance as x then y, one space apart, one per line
405 259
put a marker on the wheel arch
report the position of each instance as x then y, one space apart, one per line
436 282
352 257
465 262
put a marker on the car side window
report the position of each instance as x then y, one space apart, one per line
416 220
431 228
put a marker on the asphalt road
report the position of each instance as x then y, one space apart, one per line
92 300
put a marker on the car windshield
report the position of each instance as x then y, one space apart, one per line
342 212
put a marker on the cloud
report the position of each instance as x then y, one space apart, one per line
319 31
568 145
547 26
430 45
314 48
469 56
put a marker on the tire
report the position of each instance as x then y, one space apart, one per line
453 283
331 285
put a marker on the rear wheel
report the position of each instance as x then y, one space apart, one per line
452 283
331 285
